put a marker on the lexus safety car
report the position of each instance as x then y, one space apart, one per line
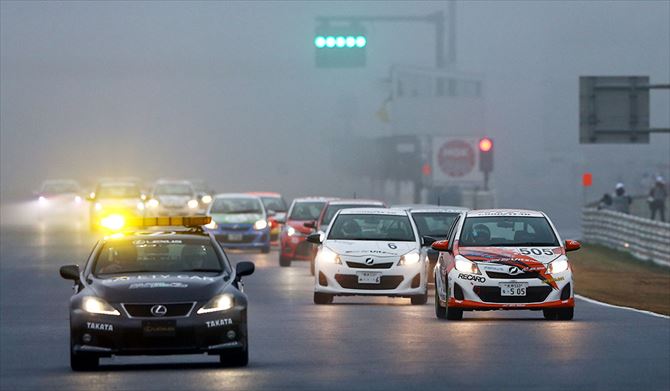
112 199
168 289
239 221
504 260
293 243
172 198
374 251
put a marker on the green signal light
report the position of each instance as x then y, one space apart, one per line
320 42
361 41
340 41
351 42
330 42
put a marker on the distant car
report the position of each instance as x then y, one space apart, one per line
433 222
293 243
373 251
276 207
203 193
329 211
59 197
502 259
172 198
239 221
158 292
114 198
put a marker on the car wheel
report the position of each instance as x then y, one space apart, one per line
265 250
559 313
323 298
284 262
420 299
83 362
440 312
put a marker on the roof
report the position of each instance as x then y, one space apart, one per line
265 194
504 212
373 211
236 195
355 201
180 181
439 209
313 199
117 183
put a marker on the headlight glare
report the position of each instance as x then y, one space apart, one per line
465 266
152 203
260 224
219 303
557 266
411 258
140 206
206 199
98 206
192 204
113 222
290 231
96 305
327 255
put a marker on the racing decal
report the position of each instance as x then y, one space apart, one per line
160 276
218 322
553 279
471 277
393 246
140 285
99 326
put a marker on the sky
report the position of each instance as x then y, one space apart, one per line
229 92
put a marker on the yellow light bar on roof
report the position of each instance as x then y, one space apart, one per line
167 221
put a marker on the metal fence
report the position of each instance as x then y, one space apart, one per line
643 238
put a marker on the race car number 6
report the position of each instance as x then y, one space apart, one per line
392 246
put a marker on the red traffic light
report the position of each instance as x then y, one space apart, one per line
485 144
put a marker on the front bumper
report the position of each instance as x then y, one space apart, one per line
242 239
106 335
296 247
342 280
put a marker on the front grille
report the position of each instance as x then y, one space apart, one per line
358 265
236 227
184 338
247 238
348 281
505 276
491 294
144 310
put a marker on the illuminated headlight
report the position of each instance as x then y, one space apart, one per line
260 224
557 266
465 266
43 201
98 206
212 225
113 222
411 258
291 231
327 255
77 200
152 203
96 305
140 206
206 199
192 204
219 303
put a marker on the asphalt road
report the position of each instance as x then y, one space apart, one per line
357 343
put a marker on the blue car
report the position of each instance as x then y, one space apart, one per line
239 221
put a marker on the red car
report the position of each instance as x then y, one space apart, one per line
293 238
276 206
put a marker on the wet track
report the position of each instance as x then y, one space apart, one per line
357 343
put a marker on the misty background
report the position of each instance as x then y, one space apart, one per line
228 92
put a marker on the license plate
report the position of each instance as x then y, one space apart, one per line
369 277
235 237
164 328
513 288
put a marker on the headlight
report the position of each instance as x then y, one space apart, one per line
113 222
140 206
260 224
465 266
77 200
557 266
96 305
152 203
327 255
43 201
212 225
219 303
192 204
206 199
98 206
290 231
411 258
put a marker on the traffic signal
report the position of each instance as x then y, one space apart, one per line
486 155
340 46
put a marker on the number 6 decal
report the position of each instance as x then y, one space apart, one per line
393 246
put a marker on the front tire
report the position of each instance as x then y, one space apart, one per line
284 261
559 313
323 298
440 312
83 362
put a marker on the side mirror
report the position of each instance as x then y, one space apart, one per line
440 245
572 245
315 238
70 272
310 224
427 240
244 268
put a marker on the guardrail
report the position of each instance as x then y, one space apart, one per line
643 238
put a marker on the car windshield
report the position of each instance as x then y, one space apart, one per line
118 191
173 189
60 188
237 205
332 209
507 231
276 204
306 210
372 227
157 255
434 224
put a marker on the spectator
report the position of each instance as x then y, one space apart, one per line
621 201
657 196
605 202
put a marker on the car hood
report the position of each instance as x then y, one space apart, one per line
236 218
157 287
173 200
299 226
365 248
508 255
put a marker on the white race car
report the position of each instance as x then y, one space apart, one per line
504 259
369 251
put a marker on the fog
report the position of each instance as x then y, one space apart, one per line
229 92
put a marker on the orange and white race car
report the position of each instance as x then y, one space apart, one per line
503 259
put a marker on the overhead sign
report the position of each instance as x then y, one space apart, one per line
456 160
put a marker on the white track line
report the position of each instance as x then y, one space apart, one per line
621 307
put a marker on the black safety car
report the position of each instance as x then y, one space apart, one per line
164 290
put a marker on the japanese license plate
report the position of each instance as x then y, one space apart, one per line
235 237
369 277
513 288
163 328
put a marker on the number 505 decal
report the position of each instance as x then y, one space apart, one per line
536 251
